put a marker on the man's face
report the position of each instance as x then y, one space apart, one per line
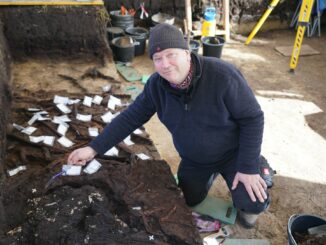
172 64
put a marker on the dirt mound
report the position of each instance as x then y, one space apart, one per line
128 201
123 203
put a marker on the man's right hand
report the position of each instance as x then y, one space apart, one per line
81 156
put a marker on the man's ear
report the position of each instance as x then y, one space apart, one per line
188 55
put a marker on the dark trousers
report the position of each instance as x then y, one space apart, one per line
195 183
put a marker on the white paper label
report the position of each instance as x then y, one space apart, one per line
41 118
61 119
138 131
18 127
33 119
60 100
97 99
16 170
87 101
29 130
63 108
143 156
136 208
113 102
33 109
93 132
71 170
62 128
64 141
92 167
107 117
106 88
128 141
49 140
36 139
71 102
84 118
38 116
112 152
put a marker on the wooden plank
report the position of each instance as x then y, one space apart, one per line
188 15
226 24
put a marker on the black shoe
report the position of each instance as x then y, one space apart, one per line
266 172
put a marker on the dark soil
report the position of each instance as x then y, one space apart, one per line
128 201
5 95
5 101
307 239
63 30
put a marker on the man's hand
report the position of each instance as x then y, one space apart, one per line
254 184
81 156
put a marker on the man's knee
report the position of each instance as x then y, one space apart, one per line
195 184
242 201
193 194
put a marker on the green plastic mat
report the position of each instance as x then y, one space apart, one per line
144 78
134 91
128 72
216 208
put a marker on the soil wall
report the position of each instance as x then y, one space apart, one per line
5 101
66 30
251 10
172 7
241 11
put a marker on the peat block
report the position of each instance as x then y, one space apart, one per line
128 201
66 30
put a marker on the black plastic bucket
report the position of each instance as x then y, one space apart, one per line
194 46
114 32
123 49
122 21
140 35
212 46
300 223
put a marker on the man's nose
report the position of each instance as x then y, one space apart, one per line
165 62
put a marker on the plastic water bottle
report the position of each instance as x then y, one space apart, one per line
209 24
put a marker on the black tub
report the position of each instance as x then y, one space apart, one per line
300 223
140 35
114 32
122 21
194 46
212 46
123 49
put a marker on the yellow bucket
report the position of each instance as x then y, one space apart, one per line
209 24
208 28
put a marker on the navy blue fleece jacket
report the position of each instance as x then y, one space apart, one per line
216 121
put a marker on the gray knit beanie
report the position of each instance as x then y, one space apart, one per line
164 36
